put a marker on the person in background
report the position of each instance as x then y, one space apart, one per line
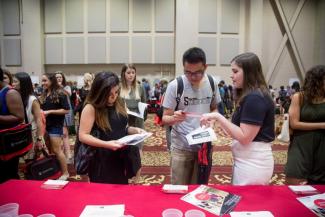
23 83
37 90
252 125
69 117
132 93
105 111
84 90
54 103
11 115
306 161
295 87
146 87
197 97
7 77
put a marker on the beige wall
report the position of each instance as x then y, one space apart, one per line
258 32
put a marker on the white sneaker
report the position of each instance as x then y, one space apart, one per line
64 177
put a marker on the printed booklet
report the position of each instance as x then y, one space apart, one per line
212 200
315 203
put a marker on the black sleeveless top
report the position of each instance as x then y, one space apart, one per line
107 165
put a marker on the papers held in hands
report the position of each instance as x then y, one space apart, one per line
142 107
103 211
303 189
315 203
134 138
201 135
212 200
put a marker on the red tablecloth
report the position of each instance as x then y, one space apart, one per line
141 201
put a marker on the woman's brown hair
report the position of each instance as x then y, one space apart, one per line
124 86
314 83
98 96
55 89
253 75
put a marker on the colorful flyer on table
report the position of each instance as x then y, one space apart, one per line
315 203
212 200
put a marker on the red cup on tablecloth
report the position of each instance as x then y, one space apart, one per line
194 213
9 209
172 213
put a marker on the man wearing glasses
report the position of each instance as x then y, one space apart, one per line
197 98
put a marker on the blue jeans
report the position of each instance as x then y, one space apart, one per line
54 131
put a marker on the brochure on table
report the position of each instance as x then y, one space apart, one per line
142 107
54 184
315 203
103 211
134 138
212 200
252 214
201 135
303 189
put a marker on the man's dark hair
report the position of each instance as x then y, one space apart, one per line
194 55
1 74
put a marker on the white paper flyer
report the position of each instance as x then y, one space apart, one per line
103 211
142 107
134 138
201 135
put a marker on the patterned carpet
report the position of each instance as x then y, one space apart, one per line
155 161
156 158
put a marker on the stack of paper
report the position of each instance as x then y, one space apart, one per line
103 211
252 214
175 189
54 184
303 189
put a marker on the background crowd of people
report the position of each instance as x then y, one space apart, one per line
245 110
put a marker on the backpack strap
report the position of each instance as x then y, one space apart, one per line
180 89
212 86
179 93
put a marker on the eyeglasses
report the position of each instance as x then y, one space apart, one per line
197 74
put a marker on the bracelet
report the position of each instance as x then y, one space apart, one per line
39 139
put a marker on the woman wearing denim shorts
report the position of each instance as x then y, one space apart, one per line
55 105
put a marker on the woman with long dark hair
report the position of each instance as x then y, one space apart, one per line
55 105
306 161
105 111
23 83
252 125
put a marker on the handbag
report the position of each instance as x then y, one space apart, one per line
84 153
15 141
47 167
284 136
